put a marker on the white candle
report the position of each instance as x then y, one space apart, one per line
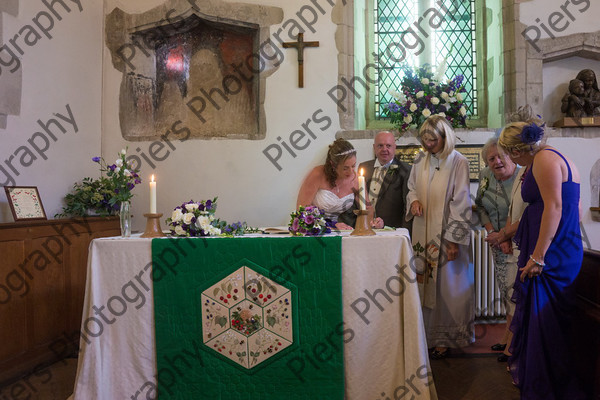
152 196
362 191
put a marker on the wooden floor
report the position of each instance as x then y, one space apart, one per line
461 377
473 377
473 373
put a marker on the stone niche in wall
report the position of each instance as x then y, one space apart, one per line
572 52
196 69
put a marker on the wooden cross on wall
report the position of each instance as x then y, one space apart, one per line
300 45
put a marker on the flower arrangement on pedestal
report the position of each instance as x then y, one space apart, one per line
309 221
195 219
422 95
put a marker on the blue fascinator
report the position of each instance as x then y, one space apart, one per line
531 133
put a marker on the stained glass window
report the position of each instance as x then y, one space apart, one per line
412 33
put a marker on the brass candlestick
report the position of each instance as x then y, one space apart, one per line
362 227
153 229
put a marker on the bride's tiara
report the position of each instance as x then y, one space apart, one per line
343 153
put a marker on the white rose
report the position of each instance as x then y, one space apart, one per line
214 231
126 172
459 97
425 81
179 231
119 163
463 111
203 222
123 151
397 95
451 93
442 114
413 107
191 207
187 218
426 113
408 119
420 94
116 170
435 101
452 100
445 96
177 215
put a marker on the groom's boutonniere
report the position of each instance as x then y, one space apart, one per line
392 169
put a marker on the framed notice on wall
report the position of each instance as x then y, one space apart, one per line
25 203
471 151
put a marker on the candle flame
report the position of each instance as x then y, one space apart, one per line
362 172
152 179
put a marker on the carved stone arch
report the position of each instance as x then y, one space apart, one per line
194 68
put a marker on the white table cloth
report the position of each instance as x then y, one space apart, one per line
387 352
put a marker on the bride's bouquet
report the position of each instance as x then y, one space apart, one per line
309 221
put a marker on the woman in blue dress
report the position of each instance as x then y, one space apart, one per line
549 239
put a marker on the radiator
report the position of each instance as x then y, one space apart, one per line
487 295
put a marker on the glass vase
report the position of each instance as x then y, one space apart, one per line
125 218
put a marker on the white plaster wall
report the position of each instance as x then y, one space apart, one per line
64 70
584 153
68 70
249 187
556 76
583 21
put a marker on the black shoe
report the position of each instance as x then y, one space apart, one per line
499 347
438 355
502 358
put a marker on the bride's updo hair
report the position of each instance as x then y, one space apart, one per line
524 133
339 151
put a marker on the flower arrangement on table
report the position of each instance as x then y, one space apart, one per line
309 221
102 196
89 197
422 95
122 177
195 219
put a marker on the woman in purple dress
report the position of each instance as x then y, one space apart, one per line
549 239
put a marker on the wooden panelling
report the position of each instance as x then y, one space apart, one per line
43 267
13 306
586 327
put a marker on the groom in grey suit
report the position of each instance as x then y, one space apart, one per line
387 179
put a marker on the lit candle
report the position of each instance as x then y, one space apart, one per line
152 196
362 191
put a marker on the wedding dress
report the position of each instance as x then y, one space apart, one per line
331 204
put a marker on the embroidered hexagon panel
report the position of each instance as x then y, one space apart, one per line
247 317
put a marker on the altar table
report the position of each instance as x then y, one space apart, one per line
386 358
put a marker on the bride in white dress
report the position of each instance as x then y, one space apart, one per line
333 187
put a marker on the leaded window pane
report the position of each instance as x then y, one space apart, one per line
455 37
